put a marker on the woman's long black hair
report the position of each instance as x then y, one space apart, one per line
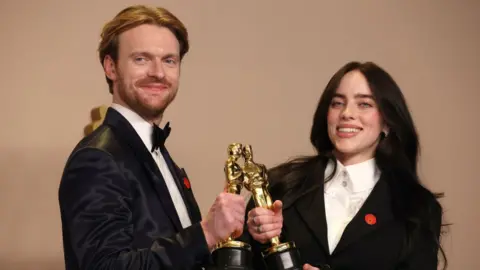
396 154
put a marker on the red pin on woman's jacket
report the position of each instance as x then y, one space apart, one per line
370 219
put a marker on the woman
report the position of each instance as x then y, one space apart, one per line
358 203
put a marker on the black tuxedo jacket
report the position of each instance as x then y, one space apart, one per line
116 210
367 243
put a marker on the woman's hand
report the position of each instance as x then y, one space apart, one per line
264 224
309 267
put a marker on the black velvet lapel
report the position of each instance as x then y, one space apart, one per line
127 134
310 205
374 214
183 184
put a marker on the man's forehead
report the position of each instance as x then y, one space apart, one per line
149 38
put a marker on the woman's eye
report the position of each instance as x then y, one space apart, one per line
336 103
365 105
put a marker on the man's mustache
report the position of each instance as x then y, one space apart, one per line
149 81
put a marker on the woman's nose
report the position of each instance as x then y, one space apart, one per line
348 113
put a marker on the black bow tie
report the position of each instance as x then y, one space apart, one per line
159 136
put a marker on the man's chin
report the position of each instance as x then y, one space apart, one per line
149 111
155 104
155 111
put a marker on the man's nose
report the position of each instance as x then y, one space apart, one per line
157 70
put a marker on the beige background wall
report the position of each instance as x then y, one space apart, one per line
254 75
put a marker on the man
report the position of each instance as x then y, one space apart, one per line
124 202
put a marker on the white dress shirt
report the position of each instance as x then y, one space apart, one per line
345 194
144 131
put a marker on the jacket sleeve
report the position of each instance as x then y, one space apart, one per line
95 201
425 248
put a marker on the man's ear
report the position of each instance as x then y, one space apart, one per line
109 68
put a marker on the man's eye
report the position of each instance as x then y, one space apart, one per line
171 61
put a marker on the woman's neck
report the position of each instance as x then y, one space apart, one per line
351 159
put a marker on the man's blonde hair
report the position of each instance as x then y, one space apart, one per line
134 16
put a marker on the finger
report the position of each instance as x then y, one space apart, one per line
309 267
263 237
260 211
277 206
257 236
265 220
251 213
240 219
234 216
251 225
272 234
237 233
237 200
260 238
257 220
234 209
230 204
250 222
267 231
237 230
269 228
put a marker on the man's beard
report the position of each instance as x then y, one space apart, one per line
135 103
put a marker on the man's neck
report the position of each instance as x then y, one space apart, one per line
154 120
157 120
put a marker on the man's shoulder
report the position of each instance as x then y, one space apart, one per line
102 140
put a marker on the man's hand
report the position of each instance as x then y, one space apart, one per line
225 218
264 224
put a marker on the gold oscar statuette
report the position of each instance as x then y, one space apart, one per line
279 256
234 176
97 116
233 254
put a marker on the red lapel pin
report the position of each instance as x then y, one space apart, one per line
370 219
186 183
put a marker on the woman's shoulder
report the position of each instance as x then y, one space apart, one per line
428 202
291 179
411 198
434 208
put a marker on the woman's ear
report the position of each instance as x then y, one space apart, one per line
385 131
